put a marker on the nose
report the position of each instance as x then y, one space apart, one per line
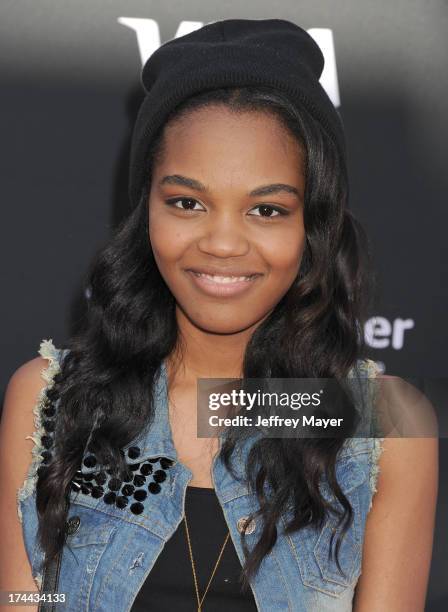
224 236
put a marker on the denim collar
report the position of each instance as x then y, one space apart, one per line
156 440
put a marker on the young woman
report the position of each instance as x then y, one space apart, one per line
240 259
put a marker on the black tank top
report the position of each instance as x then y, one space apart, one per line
170 585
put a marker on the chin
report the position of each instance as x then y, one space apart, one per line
213 325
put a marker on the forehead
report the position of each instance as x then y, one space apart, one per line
220 141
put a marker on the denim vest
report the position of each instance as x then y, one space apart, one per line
111 547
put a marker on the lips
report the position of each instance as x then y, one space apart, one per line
223 284
225 280
224 273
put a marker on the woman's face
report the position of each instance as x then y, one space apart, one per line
226 216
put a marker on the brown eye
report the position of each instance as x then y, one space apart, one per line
185 203
269 211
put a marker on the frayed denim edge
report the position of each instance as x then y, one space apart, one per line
48 351
377 443
374 469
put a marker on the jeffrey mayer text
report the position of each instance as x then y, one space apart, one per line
273 421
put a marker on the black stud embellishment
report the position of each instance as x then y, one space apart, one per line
46 456
47 442
97 492
146 469
114 484
110 497
120 490
128 490
49 412
140 495
133 452
101 478
121 502
159 476
154 487
139 480
48 425
137 508
90 461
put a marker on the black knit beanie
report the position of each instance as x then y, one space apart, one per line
233 52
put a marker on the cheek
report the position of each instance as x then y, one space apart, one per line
168 243
284 251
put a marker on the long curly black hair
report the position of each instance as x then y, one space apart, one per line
130 328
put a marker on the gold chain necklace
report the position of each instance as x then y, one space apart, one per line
200 601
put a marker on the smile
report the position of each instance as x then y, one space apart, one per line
217 285
224 279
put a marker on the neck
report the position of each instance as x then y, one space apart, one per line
202 354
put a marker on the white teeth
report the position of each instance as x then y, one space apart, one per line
224 279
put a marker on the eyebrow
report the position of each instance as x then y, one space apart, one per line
185 181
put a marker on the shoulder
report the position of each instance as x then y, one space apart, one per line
410 446
403 409
407 461
408 422
26 381
31 378
400 409
405 429
21 395
20 429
